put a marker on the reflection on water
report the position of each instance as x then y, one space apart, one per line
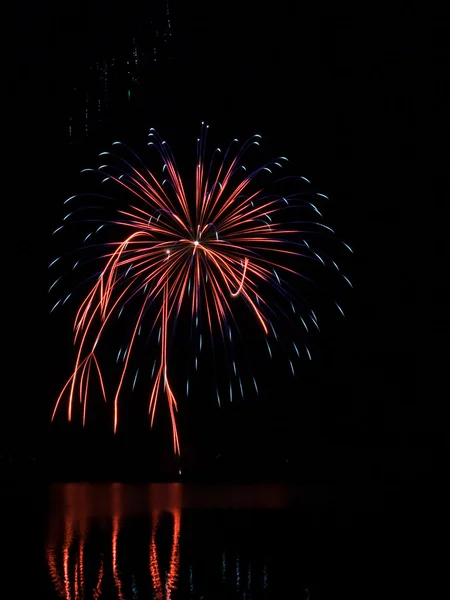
83 540
159 541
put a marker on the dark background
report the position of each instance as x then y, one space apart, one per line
353 94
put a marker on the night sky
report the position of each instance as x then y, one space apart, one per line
349 92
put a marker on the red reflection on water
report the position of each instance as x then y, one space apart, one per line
76 506
165 591
68 578
91 554
116 508
98 587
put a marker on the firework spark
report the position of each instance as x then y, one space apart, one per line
163 254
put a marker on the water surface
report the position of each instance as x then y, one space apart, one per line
79 541
171 541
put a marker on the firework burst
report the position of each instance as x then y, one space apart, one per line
161 253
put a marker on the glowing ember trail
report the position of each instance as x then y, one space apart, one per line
157 256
